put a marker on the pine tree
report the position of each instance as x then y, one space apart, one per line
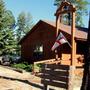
24 25
2 10
7 21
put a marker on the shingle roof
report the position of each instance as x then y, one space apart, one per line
80 32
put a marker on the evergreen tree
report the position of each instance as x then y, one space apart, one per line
24 24
7 33
2 10
81 6
7 21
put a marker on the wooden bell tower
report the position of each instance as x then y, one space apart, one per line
66 8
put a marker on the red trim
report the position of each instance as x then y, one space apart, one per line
58 42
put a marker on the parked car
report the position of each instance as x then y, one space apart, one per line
5 60
15 59
8 59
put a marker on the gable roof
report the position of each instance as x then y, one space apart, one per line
80 32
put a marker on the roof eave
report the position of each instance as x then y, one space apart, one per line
20 42
81 39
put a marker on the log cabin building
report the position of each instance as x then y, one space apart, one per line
37 43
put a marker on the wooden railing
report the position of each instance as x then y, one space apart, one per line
44 61
50 61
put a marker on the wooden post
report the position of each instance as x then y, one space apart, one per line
72 39
45 87
57 29
72 67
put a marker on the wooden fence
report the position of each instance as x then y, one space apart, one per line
54 75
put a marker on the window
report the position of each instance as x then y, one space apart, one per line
38 52
38 48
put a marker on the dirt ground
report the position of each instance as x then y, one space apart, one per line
13 80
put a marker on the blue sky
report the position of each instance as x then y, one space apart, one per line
39 9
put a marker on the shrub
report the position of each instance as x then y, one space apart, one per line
23 65
37 67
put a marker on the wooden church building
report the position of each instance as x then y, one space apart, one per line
37 43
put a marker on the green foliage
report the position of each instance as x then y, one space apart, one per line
24 24
37 67
23 65
7 21
81 7
2 10
7 42
9 35
10 31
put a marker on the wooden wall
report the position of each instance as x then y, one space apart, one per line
45 34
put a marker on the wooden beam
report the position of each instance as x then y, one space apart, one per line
72 67
65 12
73 39
57 29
